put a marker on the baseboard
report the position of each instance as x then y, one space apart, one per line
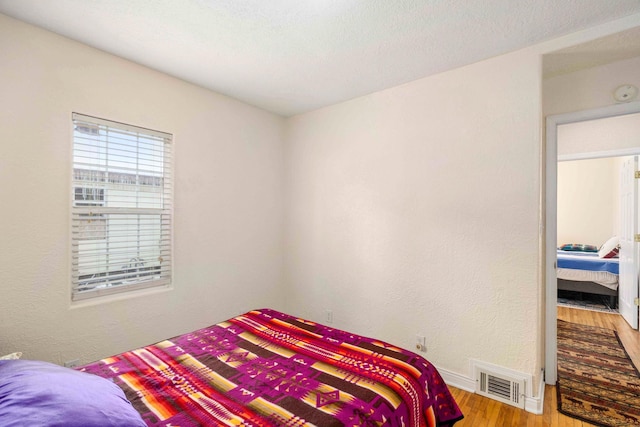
458 381
535 405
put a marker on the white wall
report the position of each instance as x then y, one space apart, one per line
228 199
587 201
621 132
415 210
587 89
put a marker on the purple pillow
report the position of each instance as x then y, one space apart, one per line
34 393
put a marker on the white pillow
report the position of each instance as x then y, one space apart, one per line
610 248
12 356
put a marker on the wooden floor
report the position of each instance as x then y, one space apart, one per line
480 411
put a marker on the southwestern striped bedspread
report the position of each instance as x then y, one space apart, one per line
266 368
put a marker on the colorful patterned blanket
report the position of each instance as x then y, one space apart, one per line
266 368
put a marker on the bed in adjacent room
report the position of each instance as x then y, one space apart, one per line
590 272
266 368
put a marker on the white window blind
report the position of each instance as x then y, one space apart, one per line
121 223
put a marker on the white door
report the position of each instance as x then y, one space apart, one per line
628 287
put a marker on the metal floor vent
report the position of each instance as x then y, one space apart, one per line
501 387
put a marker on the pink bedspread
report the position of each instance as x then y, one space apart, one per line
266 368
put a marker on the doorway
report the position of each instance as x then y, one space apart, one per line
551 159
588 217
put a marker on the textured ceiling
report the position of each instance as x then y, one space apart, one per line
616 47
292 56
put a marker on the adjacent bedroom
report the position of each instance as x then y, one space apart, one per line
597 213
588 230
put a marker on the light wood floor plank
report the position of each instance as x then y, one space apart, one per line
480 411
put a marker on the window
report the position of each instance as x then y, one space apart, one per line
121 222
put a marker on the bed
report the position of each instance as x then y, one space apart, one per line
587 272
267 368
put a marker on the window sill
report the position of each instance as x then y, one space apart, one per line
105 299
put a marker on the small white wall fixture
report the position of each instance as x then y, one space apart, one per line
551 189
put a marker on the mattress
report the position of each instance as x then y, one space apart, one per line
588 267
266 368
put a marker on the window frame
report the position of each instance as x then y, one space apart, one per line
137 222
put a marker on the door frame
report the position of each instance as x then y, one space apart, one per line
551 214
